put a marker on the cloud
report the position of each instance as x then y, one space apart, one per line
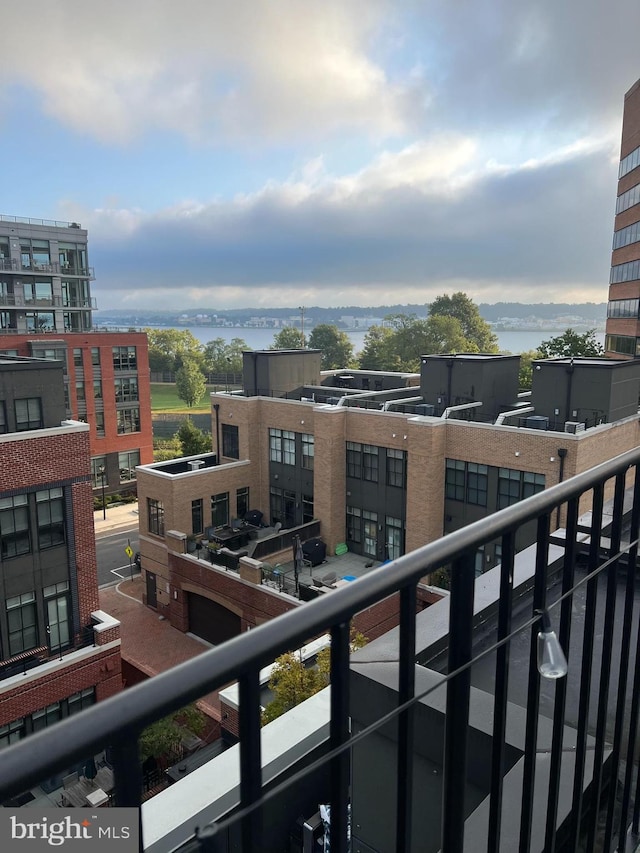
251 70
428 218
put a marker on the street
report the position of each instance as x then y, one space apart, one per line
112 561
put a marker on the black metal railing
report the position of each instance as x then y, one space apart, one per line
601 811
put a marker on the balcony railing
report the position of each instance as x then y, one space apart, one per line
51 268
597 819
25 220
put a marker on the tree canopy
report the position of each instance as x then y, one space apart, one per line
170 348
221 356
192 439
190 383
476 330
571 343
288 338
399 344
337 349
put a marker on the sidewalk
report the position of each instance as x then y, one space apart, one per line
117 518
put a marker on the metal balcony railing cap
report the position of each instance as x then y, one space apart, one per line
109 721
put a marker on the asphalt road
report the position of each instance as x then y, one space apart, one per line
113 563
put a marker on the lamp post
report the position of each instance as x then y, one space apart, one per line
101 472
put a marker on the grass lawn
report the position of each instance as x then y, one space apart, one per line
164 398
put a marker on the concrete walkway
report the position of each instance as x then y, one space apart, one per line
117 518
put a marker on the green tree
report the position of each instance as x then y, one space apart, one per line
377 351
399 344
291 683
167 448
571 343
170 348
336 346
193 440
525 377
476 330
221 356
288 338
190 383
163 737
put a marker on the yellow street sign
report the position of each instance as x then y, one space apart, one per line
128 551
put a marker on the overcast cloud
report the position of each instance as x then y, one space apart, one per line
358 152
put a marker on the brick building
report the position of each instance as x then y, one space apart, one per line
58 651
46 312
378 463
623 310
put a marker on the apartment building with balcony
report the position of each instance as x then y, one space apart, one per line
46 310
623 310
374 465
59 652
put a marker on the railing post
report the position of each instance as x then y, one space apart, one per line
458 690
406 691
127 771
339 734
250 758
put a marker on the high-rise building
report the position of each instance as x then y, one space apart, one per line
623 312
46 312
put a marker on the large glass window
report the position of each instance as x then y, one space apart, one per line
394 538
628 199
275 445
81 394
128 420
97 389
126 389
622 344
28 413
513 486
14 526
77 358
22 624
369 533
197 516
396 468
127 462
242 501
155 515
626 236
307 508
50 511
230 441
370 463
98 471
83 699
220 509
282 446
354 524
477 484
56 599
308 450
354 460
125 358
629 163
625 272
454 480
99 422
12 732
46 716
623 308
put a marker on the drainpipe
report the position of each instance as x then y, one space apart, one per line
216 407
562 453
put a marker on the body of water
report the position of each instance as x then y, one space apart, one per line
514 342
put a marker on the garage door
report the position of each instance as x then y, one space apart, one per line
211 621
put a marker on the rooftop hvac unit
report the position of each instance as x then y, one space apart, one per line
425 409
537 422
574 426
196 464
333 401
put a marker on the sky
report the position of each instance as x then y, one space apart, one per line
276 153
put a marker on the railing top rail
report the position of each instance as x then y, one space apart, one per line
27 220
108 721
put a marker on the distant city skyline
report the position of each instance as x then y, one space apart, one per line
322 154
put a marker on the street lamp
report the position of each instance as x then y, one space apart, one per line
101 473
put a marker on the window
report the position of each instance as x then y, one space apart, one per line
623 307
98 464
242 501
370 463
127 461
354 460
626 236
3 417
155 515
354 524
396 468
50 512
282 446
21 620
513 486
307 508
308 448
276 505
77 358
629 163
394 538
46 716
628 199
128 420
220 509
125 358
58 615
83 699
622 344
454 480
28 414
625 272
197 516
369 533
99 421
14 526
81 395
95 356
230 441
12 732
477 484
126 389
97 389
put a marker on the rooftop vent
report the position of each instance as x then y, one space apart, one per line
537 422
574 426
196 464
425 409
